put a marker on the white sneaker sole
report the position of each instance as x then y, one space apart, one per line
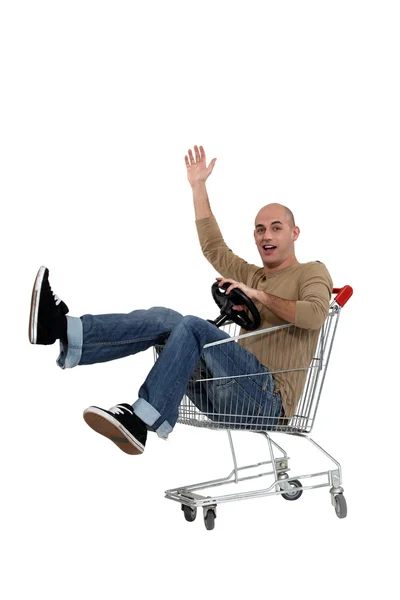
33 317
105 424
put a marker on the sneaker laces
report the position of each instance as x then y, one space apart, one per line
56 298
119 410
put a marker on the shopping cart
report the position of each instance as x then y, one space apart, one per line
300 359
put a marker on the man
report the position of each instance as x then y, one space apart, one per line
284 290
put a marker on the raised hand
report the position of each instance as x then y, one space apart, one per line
196 167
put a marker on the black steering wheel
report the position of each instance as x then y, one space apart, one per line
226 303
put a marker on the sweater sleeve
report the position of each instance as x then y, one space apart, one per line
315 291
224 261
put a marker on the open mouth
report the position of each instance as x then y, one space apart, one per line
269 249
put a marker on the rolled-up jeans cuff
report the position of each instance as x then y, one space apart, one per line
71 352
149 415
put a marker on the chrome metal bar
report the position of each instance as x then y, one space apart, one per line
227 480
329 456
271 453
217 482
277 446
316 401
233 456
246 335
264 462
174 494
256 374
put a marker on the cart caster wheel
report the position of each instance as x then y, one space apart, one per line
340 506
189 512
295 483
209 519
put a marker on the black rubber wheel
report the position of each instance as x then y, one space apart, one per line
189 512
295 483
209 519
340 506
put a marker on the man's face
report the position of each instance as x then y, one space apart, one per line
273 228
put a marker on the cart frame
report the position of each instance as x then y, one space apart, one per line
300 424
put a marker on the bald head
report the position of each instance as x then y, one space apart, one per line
275 234
275 210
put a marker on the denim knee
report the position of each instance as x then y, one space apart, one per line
193 321
167 316
196 324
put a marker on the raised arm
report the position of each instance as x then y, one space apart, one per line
197 174
213 246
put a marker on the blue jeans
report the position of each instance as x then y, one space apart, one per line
101 338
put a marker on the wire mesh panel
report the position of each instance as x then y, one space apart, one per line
274 386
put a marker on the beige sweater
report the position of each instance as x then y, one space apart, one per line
293 348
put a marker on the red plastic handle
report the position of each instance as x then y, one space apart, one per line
343 294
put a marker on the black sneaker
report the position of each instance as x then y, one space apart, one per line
120 425
47 321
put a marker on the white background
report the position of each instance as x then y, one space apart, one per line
100 102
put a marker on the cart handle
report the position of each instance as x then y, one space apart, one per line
343 294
